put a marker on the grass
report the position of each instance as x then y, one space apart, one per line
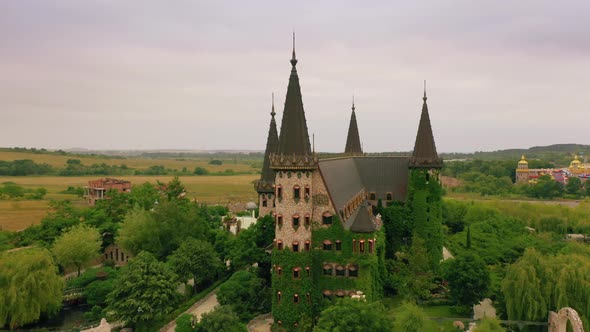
17 215
138 163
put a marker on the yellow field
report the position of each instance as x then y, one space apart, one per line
16 215
135 163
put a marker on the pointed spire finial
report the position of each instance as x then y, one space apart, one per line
353 103
293 58
424 98
272 113
313 143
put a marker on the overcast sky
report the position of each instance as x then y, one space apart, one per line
143 74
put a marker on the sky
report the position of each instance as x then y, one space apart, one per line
145 74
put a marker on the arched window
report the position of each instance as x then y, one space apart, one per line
353 271
295 246
280 192
280 219
327 269
338 245
327 294
340 293
295 220
388 197
362 246
371 245
307 220
308 297
307 192
327 218
296 192
296 298
340 271
353 245
279 296
279 271
296 273
327 245
264 202
280 245
307 245
372 196
308 270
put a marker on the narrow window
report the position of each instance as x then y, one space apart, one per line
280 245
264 202
307 220
296 298
308 270
372 196
279 192
338 245
296 192
280 220
340 271
353 245
122 257
353 271
279 296
308 297
296 273
279 271
307 245
307 192
296 221
117 254
327 245
111 255
371 245
106 256
362 246
327 218
388 197
296 246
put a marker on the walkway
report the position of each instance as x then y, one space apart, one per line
206 304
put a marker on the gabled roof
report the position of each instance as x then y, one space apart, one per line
267 176
353 141
424 155
294 138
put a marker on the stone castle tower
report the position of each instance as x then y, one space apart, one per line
328 242
522 171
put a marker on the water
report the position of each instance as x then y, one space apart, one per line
68 318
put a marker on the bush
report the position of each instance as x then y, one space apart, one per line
216 162
200 171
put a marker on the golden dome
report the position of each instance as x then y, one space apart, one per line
576 160
522 160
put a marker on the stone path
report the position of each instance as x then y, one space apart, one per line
206 304
447 254
261 323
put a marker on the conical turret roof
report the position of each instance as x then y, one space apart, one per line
267 176
353 141
294 138
424 154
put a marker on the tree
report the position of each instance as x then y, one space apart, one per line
184 323
411 318
77 246
29 286
195 259
223 318
354 315
410 274
489 325
145 290
246 294
144 196
468 240
468 277
573 186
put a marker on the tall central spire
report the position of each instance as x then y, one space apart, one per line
353 141
294 138
424 154
267 176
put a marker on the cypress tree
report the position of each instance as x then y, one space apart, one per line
468 243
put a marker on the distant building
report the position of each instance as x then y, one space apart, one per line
578 169
116 254
97 189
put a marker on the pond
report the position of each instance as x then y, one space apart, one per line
69 318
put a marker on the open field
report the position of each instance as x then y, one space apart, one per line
138 163
16 215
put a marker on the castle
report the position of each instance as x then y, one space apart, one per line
328 241
577 168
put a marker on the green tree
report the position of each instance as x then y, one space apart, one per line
246 294
411 274
196 259
573 186
29 286
223 318
489 325
77 246
174 189
411 318
184 323
354 315
468 240
468 277
145 290
144 196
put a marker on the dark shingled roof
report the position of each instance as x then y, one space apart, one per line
362 220
294 139
346 177
353 141
424 154
267 176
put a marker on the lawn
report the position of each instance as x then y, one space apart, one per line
17 215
